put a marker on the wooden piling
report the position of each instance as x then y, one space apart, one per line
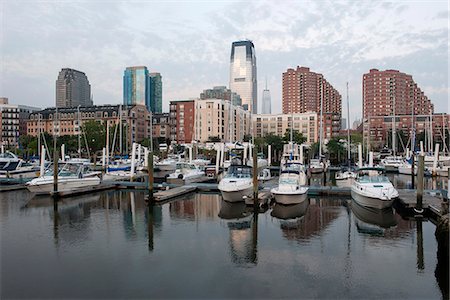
420 174
255 177
55 173
150 176
420 258
413 175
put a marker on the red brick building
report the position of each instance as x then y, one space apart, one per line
182 120
303 92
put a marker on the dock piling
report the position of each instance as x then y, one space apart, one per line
420 174
55 173
413 175
150 176
255 176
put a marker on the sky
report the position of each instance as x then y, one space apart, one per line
189 43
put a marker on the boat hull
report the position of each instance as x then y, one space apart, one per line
370 201
315 170
237 195
345 182
290 198
406 170
166 167
64 185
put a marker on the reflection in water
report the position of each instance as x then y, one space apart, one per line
243 230
403 181
420 260
196 207
286 212
371 220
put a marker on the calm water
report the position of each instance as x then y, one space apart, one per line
111 245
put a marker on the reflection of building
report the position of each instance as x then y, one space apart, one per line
305 123
196 207
136 118
181 119
72 89
216 118
243 74
13 122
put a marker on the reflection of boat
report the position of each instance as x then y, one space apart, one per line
236 184
71 177
186 171
286 212
373 189
372 220
291 187
46 202
235 211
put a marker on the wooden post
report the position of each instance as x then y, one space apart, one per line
55 173
255 177
420 260
150 176
420 173
413 175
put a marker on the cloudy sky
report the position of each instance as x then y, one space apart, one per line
189 43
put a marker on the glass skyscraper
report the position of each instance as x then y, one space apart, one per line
137 87
72 89
156 92
243 73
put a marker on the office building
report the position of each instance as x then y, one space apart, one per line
266 102
243 74
72 89
137 87
221 92
156 92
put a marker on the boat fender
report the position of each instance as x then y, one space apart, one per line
180 176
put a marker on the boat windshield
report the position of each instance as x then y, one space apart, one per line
292 167
7 154
181 166
288 180
69 170
373 179
239 172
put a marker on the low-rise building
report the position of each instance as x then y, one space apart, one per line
161 125
305 123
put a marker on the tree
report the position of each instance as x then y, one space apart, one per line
297 137
95 135
336 150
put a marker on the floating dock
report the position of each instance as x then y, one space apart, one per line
172 193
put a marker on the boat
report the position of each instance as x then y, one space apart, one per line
261 161
405 168
372 188
291 187
392 163
168 164
186 171
237 185
316 166
71 177
345 178
264 174
9 161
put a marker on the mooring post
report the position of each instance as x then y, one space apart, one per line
255 177
150 176
420 258
55 173
413 169
420 173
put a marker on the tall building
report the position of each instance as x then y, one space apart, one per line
221 92
305 91
156 92
243 74
266 103
137 87
72 89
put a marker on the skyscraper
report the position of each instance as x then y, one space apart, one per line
137 87
72 89
266 104
156 92
243 74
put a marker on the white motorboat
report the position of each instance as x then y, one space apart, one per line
71 177
392 163
168 164
345 178
237 185
261 161
372 188
406 167
316 166
291 187
9 161
201 162
186 171
264 174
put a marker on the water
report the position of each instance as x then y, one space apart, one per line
110 245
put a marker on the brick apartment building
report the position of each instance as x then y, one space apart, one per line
181 119
161 125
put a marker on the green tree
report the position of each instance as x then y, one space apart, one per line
336 150
95 135
297 137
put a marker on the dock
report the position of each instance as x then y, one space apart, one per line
173 193
431 201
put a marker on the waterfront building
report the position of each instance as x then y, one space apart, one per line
278 124
181 119
266 102
434 126
135 119
306 91
243 74
13 122
156 92
221 92
388 93
161 125
218 119
72 89
137 87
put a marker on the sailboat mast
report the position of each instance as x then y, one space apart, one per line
120 129
413 130
79 131
321 120
393 126
348 129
